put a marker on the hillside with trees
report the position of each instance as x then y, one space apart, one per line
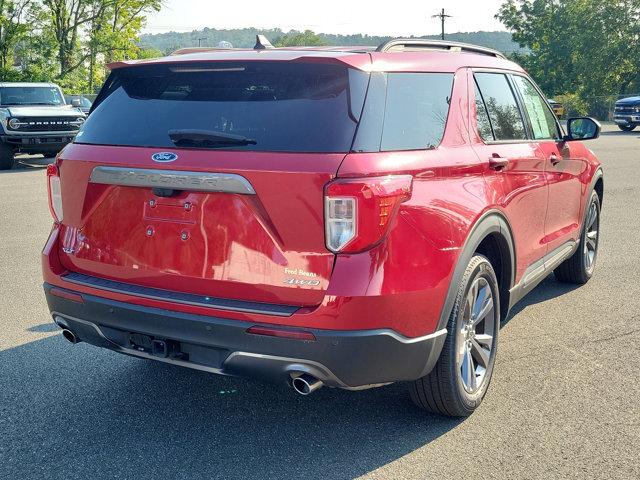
245 37
586 53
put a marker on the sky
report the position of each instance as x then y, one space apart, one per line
328 16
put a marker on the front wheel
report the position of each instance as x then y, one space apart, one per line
627 128
459 381
579 267
6 157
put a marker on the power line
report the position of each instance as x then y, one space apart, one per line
442 17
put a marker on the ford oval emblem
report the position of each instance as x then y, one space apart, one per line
164 157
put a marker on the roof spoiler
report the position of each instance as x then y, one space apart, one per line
418 44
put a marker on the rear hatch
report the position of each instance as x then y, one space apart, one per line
208 179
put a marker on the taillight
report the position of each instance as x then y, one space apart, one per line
74 297
55 192
358 211
282 333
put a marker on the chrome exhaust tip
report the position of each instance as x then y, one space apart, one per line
70 336
305 384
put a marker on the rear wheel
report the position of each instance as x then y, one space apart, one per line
579 267
458 382
6 157
627 128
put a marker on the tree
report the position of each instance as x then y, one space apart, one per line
66 17
13 28
587 47
305 39
69 41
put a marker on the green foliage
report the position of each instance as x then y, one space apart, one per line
13 28
306 38
574 105
69 41
587 48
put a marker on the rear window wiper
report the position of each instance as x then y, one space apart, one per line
207 138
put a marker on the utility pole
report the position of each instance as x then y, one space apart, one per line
442 19
200 41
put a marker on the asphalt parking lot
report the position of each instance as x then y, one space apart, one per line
564 401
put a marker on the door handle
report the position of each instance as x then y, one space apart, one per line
496 162
554 159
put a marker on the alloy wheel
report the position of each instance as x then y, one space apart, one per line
591 238
475 336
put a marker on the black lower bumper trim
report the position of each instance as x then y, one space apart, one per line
347 359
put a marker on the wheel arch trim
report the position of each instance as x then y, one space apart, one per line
491 222
597 176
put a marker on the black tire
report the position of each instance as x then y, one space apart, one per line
6 157
443 390
627 128
578 268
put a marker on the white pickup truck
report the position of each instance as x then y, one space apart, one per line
35 119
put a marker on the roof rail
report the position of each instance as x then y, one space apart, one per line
416 44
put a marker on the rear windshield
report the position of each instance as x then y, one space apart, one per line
274 106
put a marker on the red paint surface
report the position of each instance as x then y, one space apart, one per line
245 247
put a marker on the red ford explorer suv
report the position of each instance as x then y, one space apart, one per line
347 217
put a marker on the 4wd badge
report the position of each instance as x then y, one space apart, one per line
302 282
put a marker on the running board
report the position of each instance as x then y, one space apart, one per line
539 270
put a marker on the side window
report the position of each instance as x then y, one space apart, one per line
417 106
484 125
502 107
543 122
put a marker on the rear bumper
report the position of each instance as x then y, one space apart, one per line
346 359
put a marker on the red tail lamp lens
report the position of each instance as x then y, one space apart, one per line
55 192
358 211
280 333
74 297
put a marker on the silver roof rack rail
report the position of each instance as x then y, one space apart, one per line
418 44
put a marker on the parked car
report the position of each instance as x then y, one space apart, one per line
557 107
79 101
349 217
34 119
627 113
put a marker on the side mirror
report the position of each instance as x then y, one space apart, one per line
76 102
582 128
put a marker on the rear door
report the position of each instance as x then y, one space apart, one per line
231 205
563 167
516 171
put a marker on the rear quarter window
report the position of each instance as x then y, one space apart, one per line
404 111
416 112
